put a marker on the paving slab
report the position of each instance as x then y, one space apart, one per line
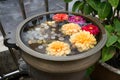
10 13
10 16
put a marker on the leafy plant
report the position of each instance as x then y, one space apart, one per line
107 12
67 1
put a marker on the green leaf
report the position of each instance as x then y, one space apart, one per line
67 1
117 45
118 33
93 4
107 53
117 25
111 40
87 9
109 28
108 34
119 39
111 13
104 10
118 7
90 70
114 3
81 5
77 5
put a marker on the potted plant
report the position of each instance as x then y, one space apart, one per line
59 47
108 11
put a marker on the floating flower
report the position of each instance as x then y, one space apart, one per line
91 28
51 23
70 28
83 40
60 17
58 48
76 19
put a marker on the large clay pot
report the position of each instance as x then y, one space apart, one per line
45 67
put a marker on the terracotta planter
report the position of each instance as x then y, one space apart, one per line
45 67
104 71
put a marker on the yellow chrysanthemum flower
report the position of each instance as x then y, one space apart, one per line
70 28
83 40
58 48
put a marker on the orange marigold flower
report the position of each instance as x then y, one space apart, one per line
83 40
70 28
58 48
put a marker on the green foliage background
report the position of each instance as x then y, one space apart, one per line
108 12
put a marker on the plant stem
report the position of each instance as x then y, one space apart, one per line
84 0
113 15
93 14
117 13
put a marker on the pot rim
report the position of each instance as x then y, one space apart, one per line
36 54
110 68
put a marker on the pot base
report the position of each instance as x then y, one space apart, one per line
40 75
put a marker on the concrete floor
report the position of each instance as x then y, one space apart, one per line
10 13
10 16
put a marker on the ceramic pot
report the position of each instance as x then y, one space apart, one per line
45 67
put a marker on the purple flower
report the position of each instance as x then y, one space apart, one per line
76 19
